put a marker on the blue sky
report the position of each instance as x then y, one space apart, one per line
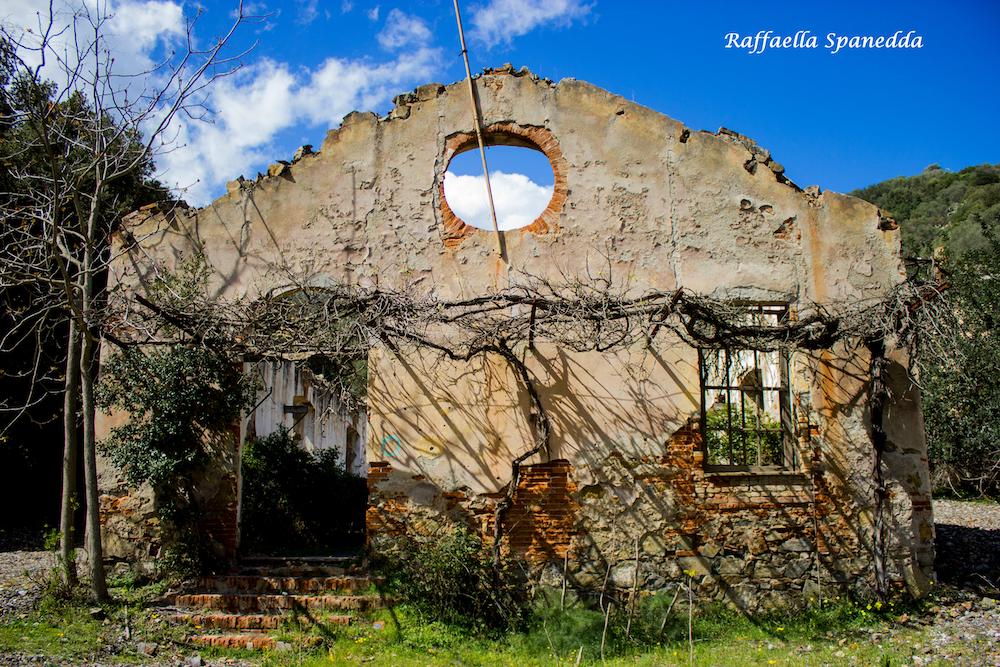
841 120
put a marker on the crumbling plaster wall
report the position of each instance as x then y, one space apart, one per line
648 203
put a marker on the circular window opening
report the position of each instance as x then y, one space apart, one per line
521 179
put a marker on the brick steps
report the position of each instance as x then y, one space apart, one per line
258 602
300 570
248 641
231 621
271 584
333 566
248 621
237 611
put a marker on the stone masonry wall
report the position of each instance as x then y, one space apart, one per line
753 540
134 531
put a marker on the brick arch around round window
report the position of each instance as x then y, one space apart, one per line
455 230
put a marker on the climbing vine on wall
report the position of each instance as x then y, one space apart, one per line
342 322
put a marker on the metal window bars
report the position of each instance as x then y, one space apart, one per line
746 403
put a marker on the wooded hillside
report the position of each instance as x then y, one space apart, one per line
954 218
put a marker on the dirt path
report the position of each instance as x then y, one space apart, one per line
966 629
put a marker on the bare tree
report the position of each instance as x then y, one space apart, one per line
79 141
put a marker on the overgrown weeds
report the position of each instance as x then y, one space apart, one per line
554 631
66 624
449 604
450 582
560 632
452 579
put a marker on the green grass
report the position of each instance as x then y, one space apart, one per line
434 644
836 633
965 496
65 632
62 626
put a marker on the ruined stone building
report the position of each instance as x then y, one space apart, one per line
754 469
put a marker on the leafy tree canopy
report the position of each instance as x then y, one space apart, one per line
940 210
955 216
177 399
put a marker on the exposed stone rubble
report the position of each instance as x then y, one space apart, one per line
758 155
22 574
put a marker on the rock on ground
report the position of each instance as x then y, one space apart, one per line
22 574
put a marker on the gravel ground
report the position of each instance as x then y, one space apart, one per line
985 516
968 545
963 630
21 577
966 631
22 660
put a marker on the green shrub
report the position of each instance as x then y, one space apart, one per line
51 538
961 388
182 403
453 579
751 428
177 400
660 617
955 218
296 502
562 630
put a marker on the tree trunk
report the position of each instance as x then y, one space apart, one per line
878 393
95 552
67 538
91 336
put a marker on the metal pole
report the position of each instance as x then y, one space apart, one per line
501 247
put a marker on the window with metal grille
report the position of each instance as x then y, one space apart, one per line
745 402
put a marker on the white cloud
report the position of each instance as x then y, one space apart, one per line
138 29
253 9
135 34
500 21
255 105
308 11
340 86
22 13
402 29
249 109
517 198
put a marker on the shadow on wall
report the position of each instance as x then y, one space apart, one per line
626 464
